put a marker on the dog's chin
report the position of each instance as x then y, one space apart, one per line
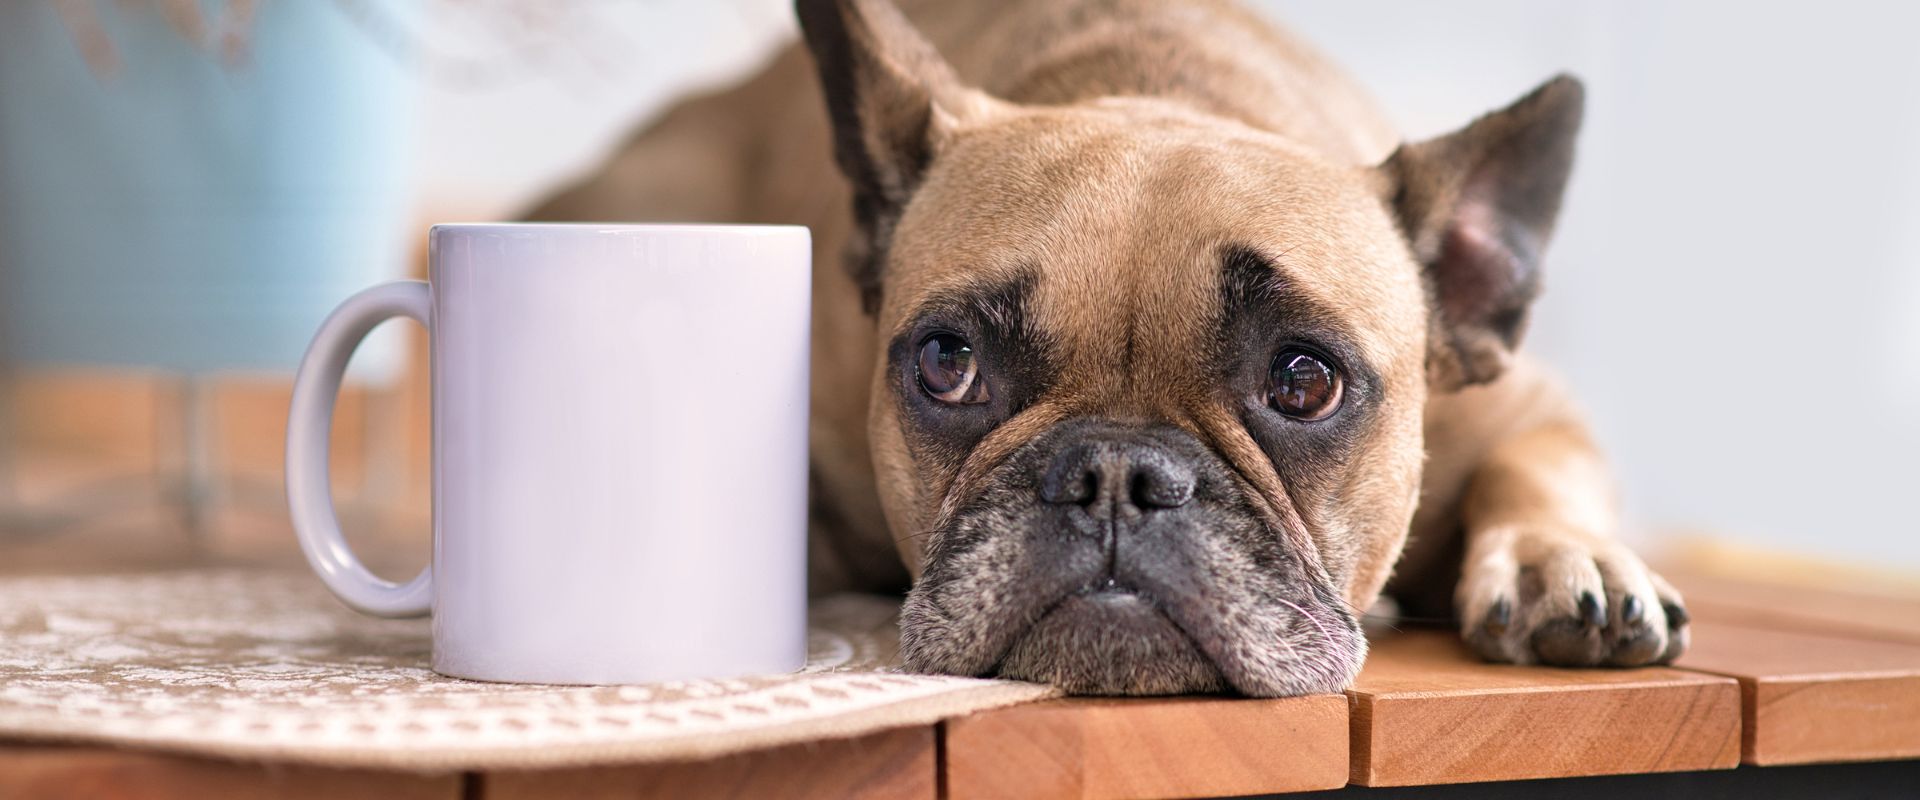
1110 642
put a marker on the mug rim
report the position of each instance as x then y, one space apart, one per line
614 228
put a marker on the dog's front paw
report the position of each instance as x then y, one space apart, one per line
1541 595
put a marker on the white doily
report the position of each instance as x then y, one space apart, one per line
253 665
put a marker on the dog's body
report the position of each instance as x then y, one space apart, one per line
1063 295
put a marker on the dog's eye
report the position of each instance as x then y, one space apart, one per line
950 372
1302 386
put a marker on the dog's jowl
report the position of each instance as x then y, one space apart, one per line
1147 356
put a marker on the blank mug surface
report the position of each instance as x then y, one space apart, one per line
619 451
620 455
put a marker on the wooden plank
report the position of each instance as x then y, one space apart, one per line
884 766
1832 610
1105 749
1426 711
94 773
1812 697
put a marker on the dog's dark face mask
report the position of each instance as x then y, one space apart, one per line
1147 416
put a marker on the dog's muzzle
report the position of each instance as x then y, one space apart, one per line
1111 558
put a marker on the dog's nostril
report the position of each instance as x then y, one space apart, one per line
1078 486
1154 486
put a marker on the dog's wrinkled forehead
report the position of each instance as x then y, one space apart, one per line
1120 219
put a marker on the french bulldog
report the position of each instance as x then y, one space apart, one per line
1147 355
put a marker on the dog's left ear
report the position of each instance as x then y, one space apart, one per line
893 101
1477 206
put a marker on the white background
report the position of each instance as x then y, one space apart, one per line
1734 290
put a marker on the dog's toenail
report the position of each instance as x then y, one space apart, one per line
1631 610
1590 610
1498 617
1676 614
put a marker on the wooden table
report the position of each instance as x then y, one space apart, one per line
1776 676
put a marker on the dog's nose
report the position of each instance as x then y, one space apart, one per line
1101 474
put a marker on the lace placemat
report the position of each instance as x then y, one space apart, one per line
268 666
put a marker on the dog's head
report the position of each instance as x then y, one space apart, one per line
1147 414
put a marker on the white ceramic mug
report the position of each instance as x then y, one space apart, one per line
619 451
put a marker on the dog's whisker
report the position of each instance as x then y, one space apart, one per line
1303 612
913 537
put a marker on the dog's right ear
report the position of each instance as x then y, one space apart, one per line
893 101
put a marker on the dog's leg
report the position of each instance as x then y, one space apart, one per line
1543 580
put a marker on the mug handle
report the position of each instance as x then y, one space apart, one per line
309 424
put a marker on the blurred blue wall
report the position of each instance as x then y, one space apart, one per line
189 214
